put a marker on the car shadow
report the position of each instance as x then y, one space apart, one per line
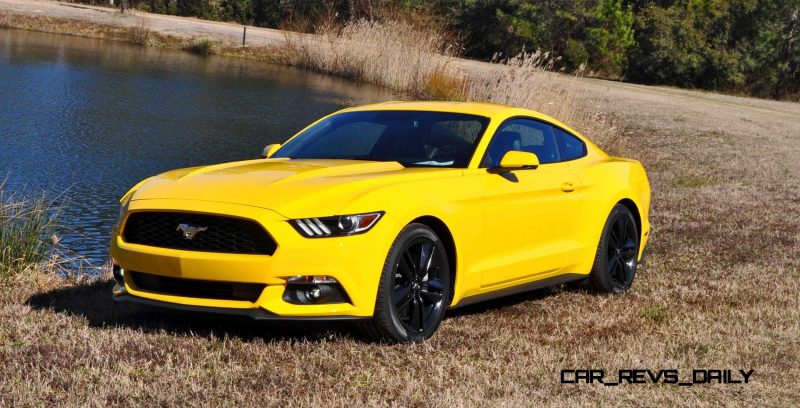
92 301
500 303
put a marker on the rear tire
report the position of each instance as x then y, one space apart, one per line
414 289
616 261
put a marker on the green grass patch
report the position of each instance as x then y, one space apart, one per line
25 227
654 313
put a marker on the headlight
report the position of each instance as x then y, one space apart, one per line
337 225
123 208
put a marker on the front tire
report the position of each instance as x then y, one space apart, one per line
616 261
414 289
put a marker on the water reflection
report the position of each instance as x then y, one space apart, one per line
90 118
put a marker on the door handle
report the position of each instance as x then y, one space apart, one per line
567 187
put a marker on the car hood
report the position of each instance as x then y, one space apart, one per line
293 188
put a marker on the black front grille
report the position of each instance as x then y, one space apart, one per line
215 233
197 288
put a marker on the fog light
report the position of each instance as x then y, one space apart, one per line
119 274
314 289
314 293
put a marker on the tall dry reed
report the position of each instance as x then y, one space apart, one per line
419 61
395 54
530 81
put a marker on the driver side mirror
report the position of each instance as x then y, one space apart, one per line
516 160
270 150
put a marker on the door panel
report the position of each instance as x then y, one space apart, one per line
530 223
531 215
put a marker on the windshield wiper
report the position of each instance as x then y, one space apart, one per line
433 164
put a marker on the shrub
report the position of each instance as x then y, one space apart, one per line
140 33
202 47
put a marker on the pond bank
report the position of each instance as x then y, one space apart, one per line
136 27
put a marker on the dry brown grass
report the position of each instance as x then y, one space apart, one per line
442 85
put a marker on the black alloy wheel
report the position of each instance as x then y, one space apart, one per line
414 290
616 260
418 291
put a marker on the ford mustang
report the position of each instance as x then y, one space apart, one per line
389 214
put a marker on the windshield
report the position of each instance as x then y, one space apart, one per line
413 138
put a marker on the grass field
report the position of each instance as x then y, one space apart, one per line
719 290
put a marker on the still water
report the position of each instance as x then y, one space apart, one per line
84 120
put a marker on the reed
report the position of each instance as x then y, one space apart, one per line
25 228
396 54
418 61
529 80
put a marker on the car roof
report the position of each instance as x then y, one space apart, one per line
473 108
486 109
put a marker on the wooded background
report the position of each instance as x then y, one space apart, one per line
738 46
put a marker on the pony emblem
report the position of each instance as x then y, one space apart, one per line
189 231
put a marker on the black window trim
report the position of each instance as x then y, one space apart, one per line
481 164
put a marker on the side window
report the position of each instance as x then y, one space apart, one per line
570 147
526 135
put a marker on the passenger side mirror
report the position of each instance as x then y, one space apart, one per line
516 160
270 150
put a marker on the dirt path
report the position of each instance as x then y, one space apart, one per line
171 25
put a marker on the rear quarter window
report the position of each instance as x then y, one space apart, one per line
570 147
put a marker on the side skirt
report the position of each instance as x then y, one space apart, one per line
527 287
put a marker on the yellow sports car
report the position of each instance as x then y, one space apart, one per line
389 214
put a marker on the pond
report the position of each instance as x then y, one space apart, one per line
84 120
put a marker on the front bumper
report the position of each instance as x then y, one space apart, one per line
253 313
355 262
